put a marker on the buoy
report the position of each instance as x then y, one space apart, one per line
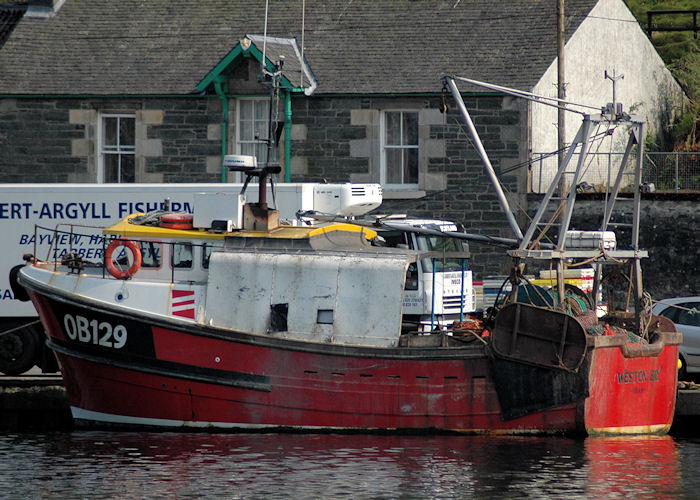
111 265
180 220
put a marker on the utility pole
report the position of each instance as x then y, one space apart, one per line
561 92
561 135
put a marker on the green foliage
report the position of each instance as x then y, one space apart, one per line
681 52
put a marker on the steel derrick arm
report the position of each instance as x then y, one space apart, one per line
449 81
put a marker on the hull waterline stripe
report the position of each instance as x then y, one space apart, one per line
94 417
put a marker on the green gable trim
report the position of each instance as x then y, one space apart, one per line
233 59
220 68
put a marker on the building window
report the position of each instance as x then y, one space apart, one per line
399 161
252 130
117 147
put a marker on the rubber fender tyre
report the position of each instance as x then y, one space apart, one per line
18 290
18 351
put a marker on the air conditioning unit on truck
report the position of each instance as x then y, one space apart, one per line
433 289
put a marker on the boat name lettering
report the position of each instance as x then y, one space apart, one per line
95 332
638 376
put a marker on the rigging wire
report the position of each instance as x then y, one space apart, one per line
597 137
303 22
541 99
544 156
262 62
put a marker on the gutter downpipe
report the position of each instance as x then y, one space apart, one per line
287 134
224 125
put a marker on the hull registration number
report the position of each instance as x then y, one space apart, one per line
95 332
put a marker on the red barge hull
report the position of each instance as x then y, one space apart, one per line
180 376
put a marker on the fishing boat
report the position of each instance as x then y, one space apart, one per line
227 318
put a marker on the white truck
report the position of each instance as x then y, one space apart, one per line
433 291
440 290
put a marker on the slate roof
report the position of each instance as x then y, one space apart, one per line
138 47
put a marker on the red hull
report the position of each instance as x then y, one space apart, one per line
204 377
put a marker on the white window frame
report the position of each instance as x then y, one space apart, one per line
239 141
101 151
385 147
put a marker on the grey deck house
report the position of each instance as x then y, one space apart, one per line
132 91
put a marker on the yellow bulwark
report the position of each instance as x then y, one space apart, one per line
126 229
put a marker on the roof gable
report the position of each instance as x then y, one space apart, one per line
280 55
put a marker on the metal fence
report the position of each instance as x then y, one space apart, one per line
661 172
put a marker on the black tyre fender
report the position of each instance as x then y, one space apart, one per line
19 350
18 290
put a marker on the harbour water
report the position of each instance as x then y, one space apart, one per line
97 464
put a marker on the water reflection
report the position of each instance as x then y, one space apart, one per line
639 467
158 465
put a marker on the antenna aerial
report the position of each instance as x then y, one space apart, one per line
614 112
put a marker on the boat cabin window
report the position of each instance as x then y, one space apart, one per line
324 316
206 255
400 239
411 277
181 256
392 239
207 249
151 252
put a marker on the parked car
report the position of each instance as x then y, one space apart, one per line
685 313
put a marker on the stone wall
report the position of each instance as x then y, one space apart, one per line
324 133
36 139
54 140
669 232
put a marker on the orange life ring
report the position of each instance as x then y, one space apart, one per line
112 268
180 220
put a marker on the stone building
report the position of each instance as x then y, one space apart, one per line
131 91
